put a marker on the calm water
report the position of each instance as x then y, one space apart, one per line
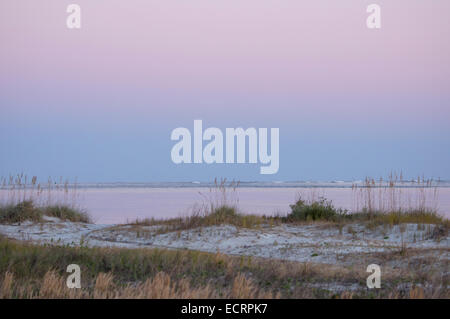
119 204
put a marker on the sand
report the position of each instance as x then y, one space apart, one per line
319 243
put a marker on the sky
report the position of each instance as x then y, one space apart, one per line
99 103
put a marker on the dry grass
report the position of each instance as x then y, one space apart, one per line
219 207
28 211
53 192
396 218
307 213
23 198
30 271
223 215
161 286
378 202
394 201
395 194
382 202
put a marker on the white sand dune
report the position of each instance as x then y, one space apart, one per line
306 243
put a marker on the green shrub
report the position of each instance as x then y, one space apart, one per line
322 209
18 213
26 210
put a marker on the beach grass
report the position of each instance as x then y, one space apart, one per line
320 211
28 270
28 211
222 215
32 271
378 202
26 199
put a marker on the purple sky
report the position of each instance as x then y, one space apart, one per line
100 103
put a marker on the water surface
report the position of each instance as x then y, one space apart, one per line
121 204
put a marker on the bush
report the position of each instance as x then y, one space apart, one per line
18 213
26 210
66 213
322 209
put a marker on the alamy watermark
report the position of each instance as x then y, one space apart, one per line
235 141
74 279
374 19
73 20
374 280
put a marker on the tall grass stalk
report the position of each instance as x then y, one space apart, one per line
23 198
20 188
395 194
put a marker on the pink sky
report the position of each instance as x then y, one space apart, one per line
269 63
250 46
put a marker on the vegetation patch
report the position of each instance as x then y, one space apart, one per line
222 215
397 217
26 210
322 209
31 271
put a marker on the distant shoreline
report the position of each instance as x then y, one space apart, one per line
331 184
